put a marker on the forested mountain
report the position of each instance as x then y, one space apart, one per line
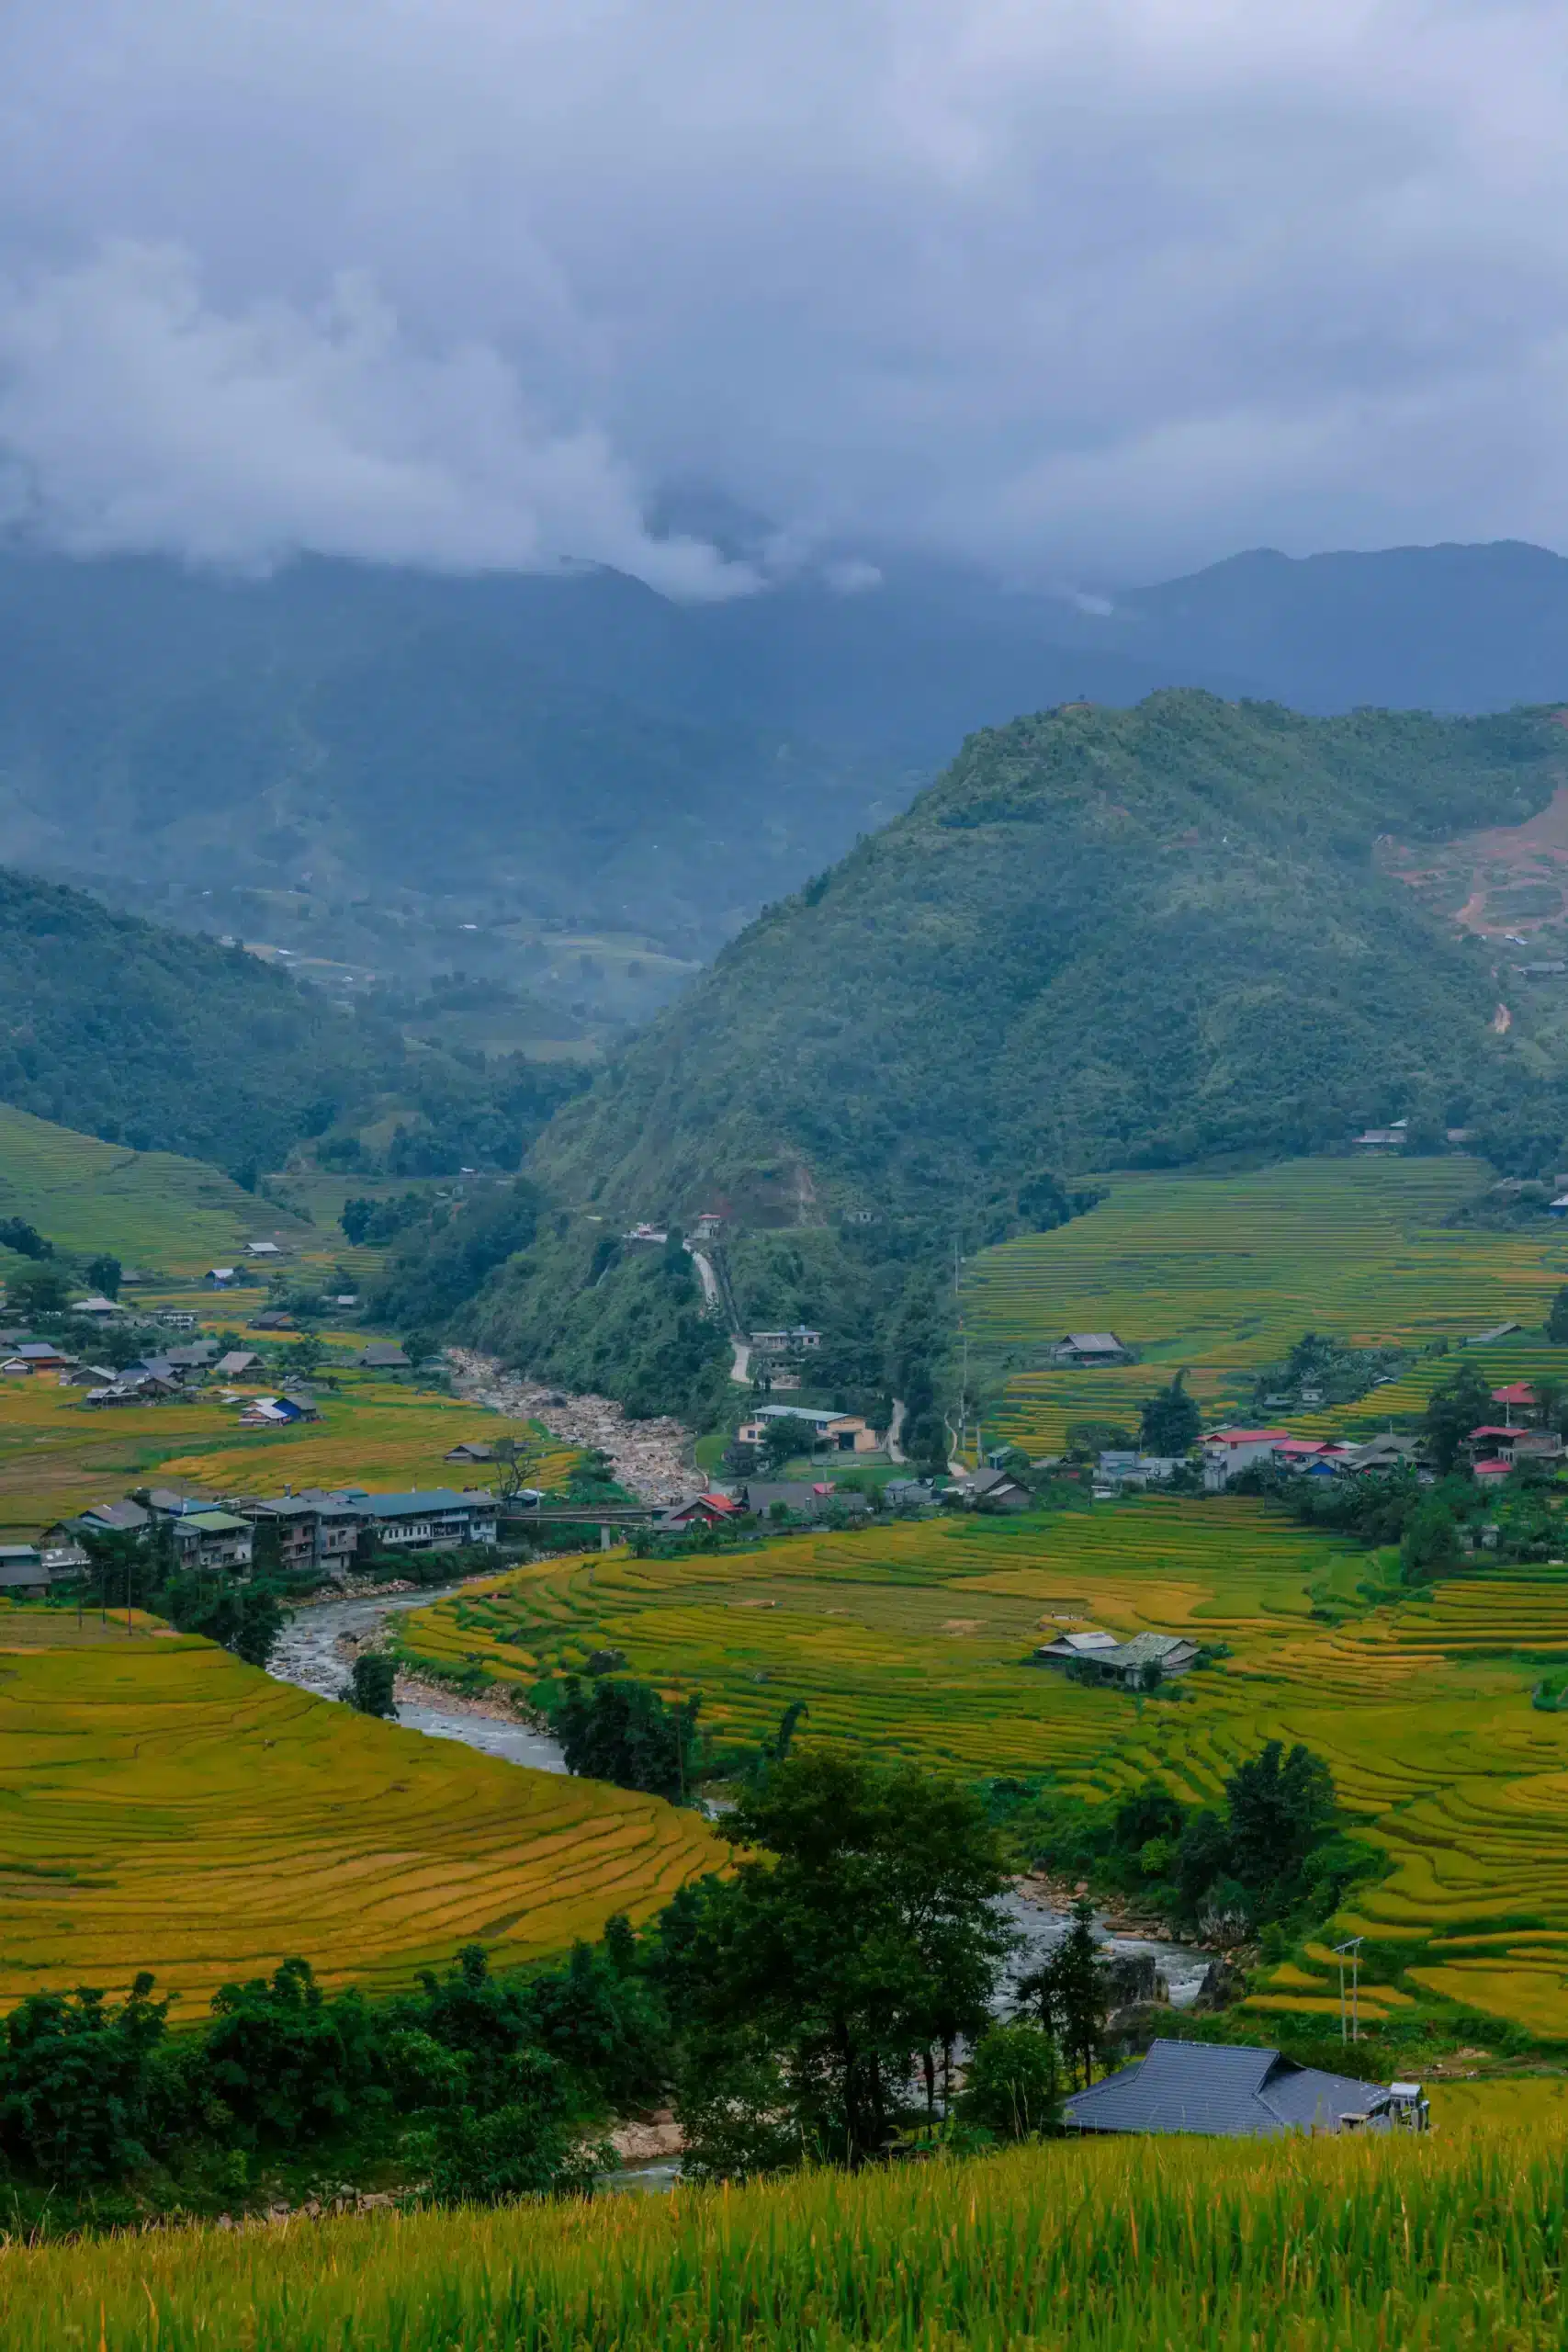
1103 937
166 1042
582 751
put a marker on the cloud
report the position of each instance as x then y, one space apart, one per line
136 416
1089 289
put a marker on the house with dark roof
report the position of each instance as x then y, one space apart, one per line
1228 2091
993 1490
799 1498
23 1576
1091 1347
383 1355
432 1520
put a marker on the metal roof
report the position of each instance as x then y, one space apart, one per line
1220 2088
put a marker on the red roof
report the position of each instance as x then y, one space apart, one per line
1300 1445
1521 1393
1492 1469
1495 1428
719 1502
1246 1437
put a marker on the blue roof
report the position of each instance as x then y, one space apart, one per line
1220 2088
429 1499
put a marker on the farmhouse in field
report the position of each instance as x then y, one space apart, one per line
993 1490
831 1432
1147 1658
471 1449
383 1355
1091 1347
1229 2091
698 1510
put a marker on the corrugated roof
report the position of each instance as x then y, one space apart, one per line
1219 2088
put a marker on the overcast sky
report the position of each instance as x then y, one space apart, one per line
1088 292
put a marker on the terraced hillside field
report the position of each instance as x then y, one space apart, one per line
163 1806
148 1209
1223 1273
914 1639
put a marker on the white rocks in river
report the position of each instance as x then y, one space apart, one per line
649 1458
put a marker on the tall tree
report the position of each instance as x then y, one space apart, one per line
1462 1403
1169 1422
852 1946
1067 1993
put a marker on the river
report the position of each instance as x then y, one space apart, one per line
307 1654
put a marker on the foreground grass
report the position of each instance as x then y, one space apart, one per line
1086 2248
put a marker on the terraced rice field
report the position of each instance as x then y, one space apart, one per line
1223 1273
162 1805
914 1639
149 1208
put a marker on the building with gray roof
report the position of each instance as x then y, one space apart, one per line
1232 2091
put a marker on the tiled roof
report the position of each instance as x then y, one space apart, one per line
1218 2088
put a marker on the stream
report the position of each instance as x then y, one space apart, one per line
307 1655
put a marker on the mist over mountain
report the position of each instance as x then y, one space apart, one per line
578 750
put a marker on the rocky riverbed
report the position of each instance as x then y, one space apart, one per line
650 1459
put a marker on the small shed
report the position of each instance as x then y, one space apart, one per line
1089 1348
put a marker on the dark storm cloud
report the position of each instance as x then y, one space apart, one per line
1082 290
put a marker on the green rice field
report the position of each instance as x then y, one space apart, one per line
914 1640
1454 2240
148 1209
1223 1273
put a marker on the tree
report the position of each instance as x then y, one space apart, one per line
515 1459
40 1292
786 1436
103 1275
1014 2084
1068 1992
624 1732
1557 1321
285 2061
1169 1422
820 1980
1280 1807
523 2149
1430 1545
1462 1403
26 1239
372 1684
75 2079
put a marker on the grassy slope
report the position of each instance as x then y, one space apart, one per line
914 1639
162 1805
1339 2246
1223 1273
1102 932
148 1209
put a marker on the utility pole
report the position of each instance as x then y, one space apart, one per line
1353 1947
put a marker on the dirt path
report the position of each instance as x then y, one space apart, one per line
651 1459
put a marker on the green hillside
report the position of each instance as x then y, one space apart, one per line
164 1042
1104 938
148 1209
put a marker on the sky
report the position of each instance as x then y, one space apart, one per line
1083 291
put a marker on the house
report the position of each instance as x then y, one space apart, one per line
1121 1467
1227 1451
1552 968
1228 2091
1380 1456
383 1355
38 1355
237 1363
433 1520
63 1552
1492 1471
699 1511
263 1249
112 1392
210 1539
787 1343
831 1432
301 1405
174 1319
272 1319
1383 1138
1496 1331
315 1528
908 1494
1069 1649
101 1310
994 1490
23 1576
198 1357
802 1497
707 1225
1129 1662
647 1237
218 1277
1518 1397
159 1371
472 1449
265 1413
112 1519
1091 1347
1559 1207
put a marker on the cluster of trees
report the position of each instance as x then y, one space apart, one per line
625 1732
139 1570
1274 1853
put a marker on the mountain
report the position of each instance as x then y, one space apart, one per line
1444 628
152 1038
1102 937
